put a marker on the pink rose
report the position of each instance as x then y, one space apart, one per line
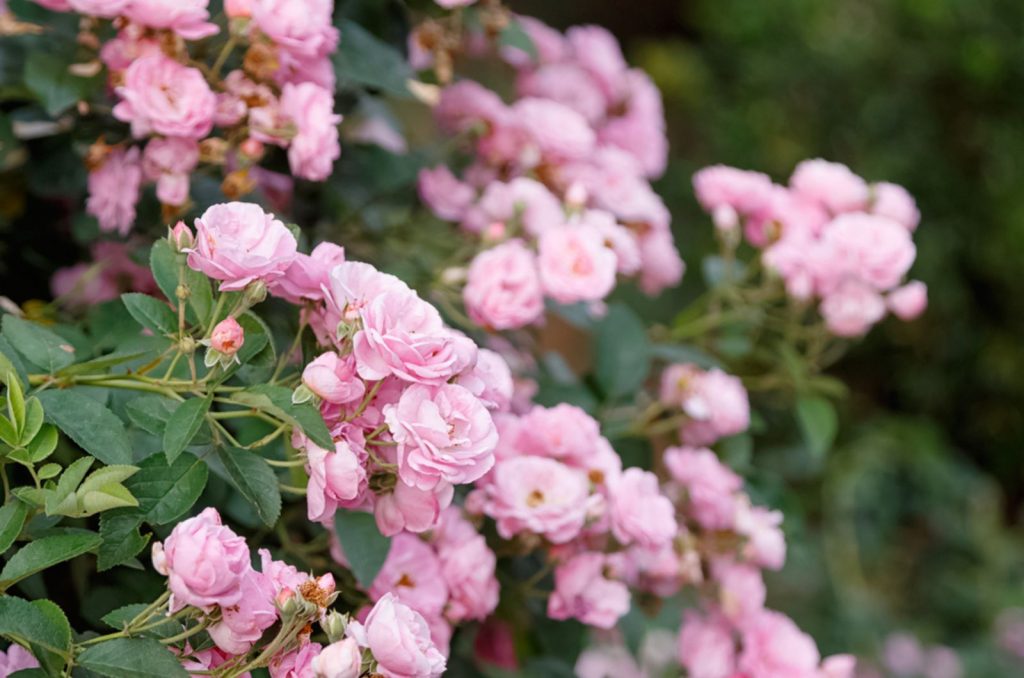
243 623
607 661
490 380
830 184
575 265
107 9
444 433
303 28
661 267
639 512
741 590
187 18
238 243
503 289
873 249
238 8
583 592
114 190
718 407
567 83
706 647
16 659
333 378
773 647
335 479
205 562
280 574
721 186
539 495
297 663
412 572
308 273
640 131
522 201
710 486
341 659
909 301
162 96
597 51
851 309
466 103
468 568
559 132
408 508
446 196
766 544
227 337
314 148
893 201
839 666
399 639
169 162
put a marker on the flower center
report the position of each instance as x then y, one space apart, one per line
535 499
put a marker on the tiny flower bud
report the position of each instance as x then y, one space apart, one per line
238 9
181 237
187 344
302 394
454 275
725 218
495 232
334 624
576 196
255 292
252 149
227 337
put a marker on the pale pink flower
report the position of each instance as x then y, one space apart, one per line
597 51
341 659
490 380
452 4
308 273
54 5
295 664
575 265
606 661
238 8
721 186
399 639
851 309
839 666
567 83
468 568
412 572
227 337
336 479
741 590
525 200
773 647
830 184
706 647
160 95
639 512
503 289
187 18
893 201
114 190
204 561
765 545
873 249
333 378
314 148
126 47
559 132
539 495
444 433
718 407
710 486
111 272
408 508
661 267
551 45
640 131
446 196
238 243
583 592
169 161
466 103
102 8
300 28
903 654
244 622
16 659
280 574
564 432
909 301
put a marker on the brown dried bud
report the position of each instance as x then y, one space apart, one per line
236 184
260 61
213 150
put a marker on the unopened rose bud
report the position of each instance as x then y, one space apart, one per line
334 624
255 292
236 184
725 218
576 196
454 275
181 237
227 337
252 149
287 602
238 9
495 231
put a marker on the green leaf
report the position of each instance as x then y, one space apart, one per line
513 35
252 476
622 352
363 59
365 547
119 619
8 432
43 445
151 412
107 475
33 420
12 358
12 519
183 425
57 89
277 400
49 471
40 626
131 658
105 498
163 261
151 312
46 552
95 428
103 363
15 401
38 345
818 423
61 500
122 540
167 491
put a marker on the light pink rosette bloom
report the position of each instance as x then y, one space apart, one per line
564 432
107 9
575 265
503 289
114 190
876 250
335 479
466 103
640 131
238 243
597 51
404 336
333 378
16 659
169 161
539 495
300 28
281 575
227 337
839 666
559 132
744 191
204 561
411 509
741 589
244 622
399 639
187 18
129 45
54 5
773 647
490 380
607 661
308 273
160 95
297 663
893 201
766 544
909 301
523 199
341 659
706 647
444 433
710 486
412 572
661 267
583 592
639 512
446 196
851 309
314 148
830 184
468 567
567 83
718 407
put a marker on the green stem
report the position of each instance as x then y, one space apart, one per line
283 360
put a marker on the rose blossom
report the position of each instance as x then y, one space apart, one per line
583 592
408 508
766 544
238 243
503 289
851 309
16 659
302 28
244 622
227 337
412 572
706 647
168 162
102 8
741 590
314 148
710 485
559 132
873 249
773 647
717 405
205 562
831 184
490 380
540 495
308 273
187 18
639 512
399 639
909 301
297 663
575 265
446 196
161 95
342 659
335 479
333 378
443 433
607 661
114 190
468 568
721 186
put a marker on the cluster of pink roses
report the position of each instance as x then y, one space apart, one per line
557 193
111 272
715 403
282 96
829 235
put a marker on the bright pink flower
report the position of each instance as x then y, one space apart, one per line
444 433
244 622
16 659
160 95
412 572
399 639
107 9
539 495
909 301
830 184
308 274
114 190
335 479
341 659
205 562
717 405
297 663
741 590
503 289
446 196
238 243
187 18
468 568
314 148
583 592
575 265
766 544
169 161
639 512
851 309
333 378
773 647
873 249
490 380
706 647
559 132
893 201
227 337
407 508
710 486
